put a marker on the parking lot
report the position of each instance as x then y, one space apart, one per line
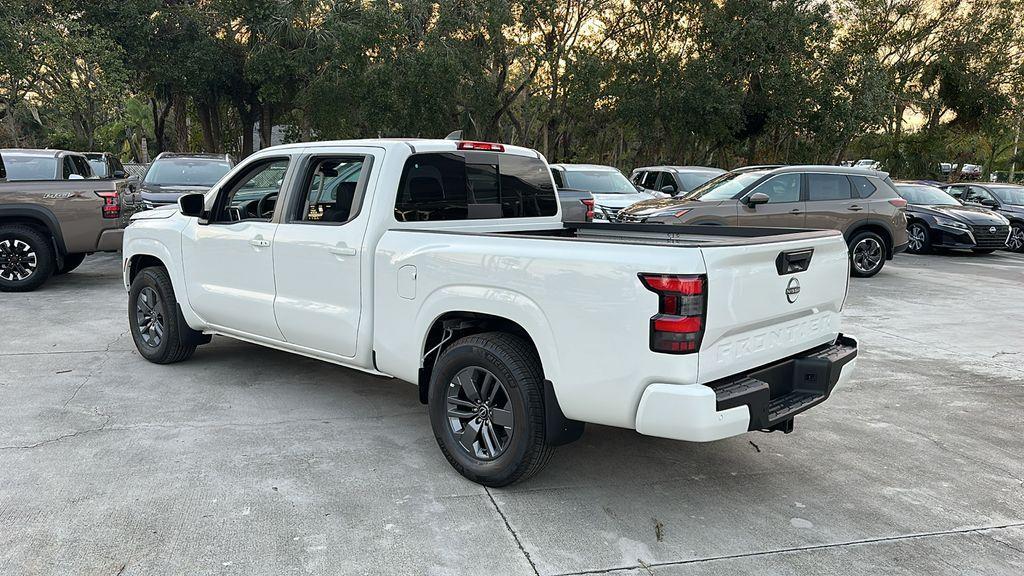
246 460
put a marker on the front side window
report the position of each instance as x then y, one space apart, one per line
474 185
823 187
252 195
557 176
69 168
780 189
650 180
330 191
976 194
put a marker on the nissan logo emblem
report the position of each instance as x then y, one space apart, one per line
793 290
992 229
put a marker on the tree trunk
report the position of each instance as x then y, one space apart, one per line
159 124
210 143
266 125
181 143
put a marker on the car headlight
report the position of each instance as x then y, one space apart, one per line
951 223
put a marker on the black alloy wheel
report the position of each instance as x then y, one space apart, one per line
867 254
26 258
149 317
480 413
153 318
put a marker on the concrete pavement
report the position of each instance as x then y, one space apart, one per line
245 460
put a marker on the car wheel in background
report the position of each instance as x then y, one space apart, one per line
918 241
153 318
26 258
71 261
486 407
867 254
1016 240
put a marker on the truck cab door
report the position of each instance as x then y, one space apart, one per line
785 207
228 258
319 249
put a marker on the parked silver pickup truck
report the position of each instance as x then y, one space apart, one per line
53 212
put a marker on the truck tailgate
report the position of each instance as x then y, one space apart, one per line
770 301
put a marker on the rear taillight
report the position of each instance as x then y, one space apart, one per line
111 204
486 146
898 202
679 325
590 208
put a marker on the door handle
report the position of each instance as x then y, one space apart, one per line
259 242
342 251
854 208
796 211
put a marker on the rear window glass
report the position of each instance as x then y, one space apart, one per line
863 187
30 167
827 187
474 185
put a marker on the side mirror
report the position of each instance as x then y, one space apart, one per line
120 174
989 202
639 188
670 190
192 205
757 198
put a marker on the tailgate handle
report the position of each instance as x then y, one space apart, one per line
793 261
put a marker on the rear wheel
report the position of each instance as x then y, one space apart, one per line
71 261
26 258
1016 240
487 409
867 254
153 318
918 240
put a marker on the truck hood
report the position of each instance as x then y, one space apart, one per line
624 200
165 194
157 213
966 214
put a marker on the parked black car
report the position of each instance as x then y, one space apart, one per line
937 220
1006 199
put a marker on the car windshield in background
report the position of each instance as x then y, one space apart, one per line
925 195
186 172
30 167
725 186
599 181
99 167
1006 195
692 180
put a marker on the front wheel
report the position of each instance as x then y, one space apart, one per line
486 406
867 254
918 241
1016 240
153 318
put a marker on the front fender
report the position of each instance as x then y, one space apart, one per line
154 248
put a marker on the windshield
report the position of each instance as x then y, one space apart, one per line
186 172
692 180
99 167
30 167
725 186
1010 195
599 181
926 195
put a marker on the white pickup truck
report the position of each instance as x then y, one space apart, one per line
446 264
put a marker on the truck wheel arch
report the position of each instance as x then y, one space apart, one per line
561 430
140 261
39 217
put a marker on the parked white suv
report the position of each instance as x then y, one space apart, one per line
446 264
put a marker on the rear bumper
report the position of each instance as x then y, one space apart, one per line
764 398
110 240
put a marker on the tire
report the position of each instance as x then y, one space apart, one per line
1015 243
516 380
867 254
983 250
71 261
918 238
153 318
26 258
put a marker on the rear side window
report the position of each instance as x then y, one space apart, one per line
474 185
862 187
822 187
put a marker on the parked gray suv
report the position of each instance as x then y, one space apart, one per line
862 204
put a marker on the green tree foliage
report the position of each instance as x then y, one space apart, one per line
723 82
